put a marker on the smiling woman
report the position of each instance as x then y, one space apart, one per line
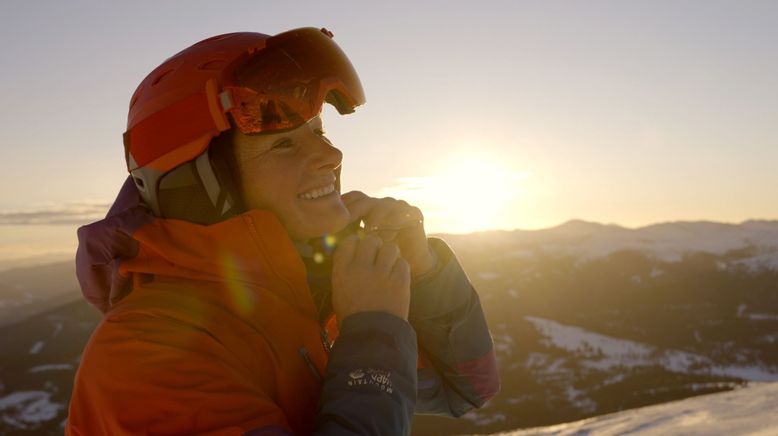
220 316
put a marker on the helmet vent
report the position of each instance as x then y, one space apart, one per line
213 65
160 77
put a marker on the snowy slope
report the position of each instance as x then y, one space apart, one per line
744 411
603 352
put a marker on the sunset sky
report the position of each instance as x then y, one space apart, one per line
501 114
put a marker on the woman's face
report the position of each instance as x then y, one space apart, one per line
292 174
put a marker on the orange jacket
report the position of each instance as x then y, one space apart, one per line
213 330
211 334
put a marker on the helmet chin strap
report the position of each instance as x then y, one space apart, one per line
201 191
220 197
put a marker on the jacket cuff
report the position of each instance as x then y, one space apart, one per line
371 337
442 292
370 385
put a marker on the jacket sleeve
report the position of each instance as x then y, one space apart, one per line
370 381
459 370
154 376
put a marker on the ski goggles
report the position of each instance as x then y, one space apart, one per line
287 82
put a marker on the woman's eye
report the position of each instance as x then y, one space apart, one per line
323 134
286 143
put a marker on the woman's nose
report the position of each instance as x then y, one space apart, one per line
326 155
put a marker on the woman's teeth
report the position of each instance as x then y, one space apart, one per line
316 193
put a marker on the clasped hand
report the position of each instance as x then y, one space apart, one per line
374 273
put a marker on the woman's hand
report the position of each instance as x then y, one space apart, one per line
396 221
368 275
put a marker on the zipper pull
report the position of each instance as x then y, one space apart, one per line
311 366
325 340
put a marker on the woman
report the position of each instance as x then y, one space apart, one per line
241 294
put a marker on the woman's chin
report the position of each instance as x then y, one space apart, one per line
336 224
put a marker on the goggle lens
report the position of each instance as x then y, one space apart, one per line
287 83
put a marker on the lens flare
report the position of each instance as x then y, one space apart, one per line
240 296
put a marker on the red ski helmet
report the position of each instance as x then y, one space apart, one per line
263 83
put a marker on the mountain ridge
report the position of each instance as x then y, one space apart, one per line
577 223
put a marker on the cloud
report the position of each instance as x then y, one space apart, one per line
71 213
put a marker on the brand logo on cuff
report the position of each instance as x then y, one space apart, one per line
380 378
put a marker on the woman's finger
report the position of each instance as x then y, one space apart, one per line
379 213
386 235
367 249
351 196
387 256
401 271
345 251
404 217
358 206
384 216
371 210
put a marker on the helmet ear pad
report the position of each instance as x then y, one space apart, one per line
205 190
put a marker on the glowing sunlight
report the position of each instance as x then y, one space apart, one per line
470 193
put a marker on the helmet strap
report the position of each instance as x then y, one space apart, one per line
203 190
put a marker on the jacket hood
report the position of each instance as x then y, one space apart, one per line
131 246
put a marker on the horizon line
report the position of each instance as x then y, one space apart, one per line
88 211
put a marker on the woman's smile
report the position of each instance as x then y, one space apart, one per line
317 193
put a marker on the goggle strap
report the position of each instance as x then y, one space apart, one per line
225 98
214 106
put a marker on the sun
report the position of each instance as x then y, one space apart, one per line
469 193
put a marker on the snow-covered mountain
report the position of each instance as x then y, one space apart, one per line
746 411
590 319
602 352
753 244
